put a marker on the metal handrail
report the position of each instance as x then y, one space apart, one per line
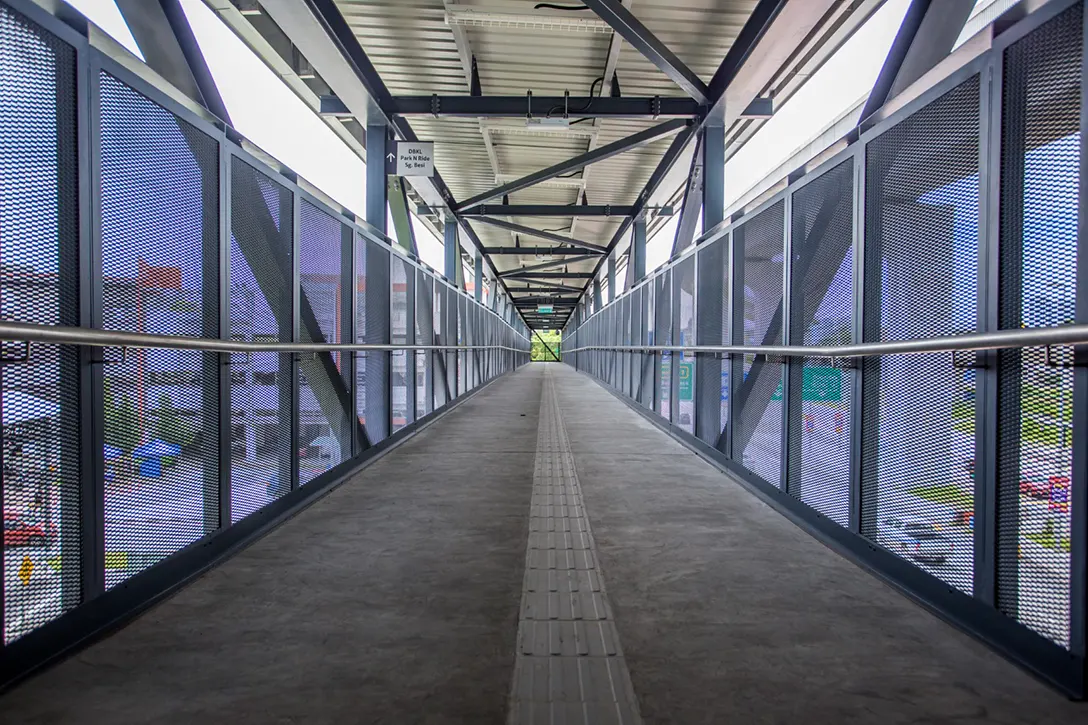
61 335
1023 337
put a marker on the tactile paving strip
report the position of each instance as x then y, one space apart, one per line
569 667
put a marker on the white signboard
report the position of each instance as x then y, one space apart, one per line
411 158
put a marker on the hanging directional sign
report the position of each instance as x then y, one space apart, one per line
410 158
544 309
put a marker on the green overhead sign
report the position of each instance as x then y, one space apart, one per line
544 309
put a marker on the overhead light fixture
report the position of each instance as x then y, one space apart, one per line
572 183
537 128
521 21
550 122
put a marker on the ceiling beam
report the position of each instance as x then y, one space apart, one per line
545 251
552 107
604 210
542 286
638 35
549 275
550 264
578 162
530 232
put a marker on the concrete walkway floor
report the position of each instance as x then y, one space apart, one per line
398 598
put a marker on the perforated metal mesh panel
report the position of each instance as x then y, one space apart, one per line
921 271
450 330
1040 187
683 315
324 400
712 372
757 320
625 339
260 311
648 360
424 336
160 231
372 326
462 356
440 387
634 374
40 447
822 314
403 290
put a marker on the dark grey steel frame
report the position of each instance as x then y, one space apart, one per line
100 611
1066 670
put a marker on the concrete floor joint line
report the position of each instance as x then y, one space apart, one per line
569 667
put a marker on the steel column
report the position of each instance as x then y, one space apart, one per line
77 305
377 142
988 301
713 175
93 488
1078 534
222 258
611 267
638 250
478 283
857 334
450 251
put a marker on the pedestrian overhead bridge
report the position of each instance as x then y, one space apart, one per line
826 464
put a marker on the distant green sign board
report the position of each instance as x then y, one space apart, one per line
685 372
544 309
818 384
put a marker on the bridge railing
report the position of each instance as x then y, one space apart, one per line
194 341
890 349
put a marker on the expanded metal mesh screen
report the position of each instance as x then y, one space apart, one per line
1040 166
822 314
758 248
372 326
40 446
918 450
683 313
625 339
647 359
462 356
324 398
712 371
260 311
440 387
449 309
424 336
160 239
403 299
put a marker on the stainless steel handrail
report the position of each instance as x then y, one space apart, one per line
1023 337
60 335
